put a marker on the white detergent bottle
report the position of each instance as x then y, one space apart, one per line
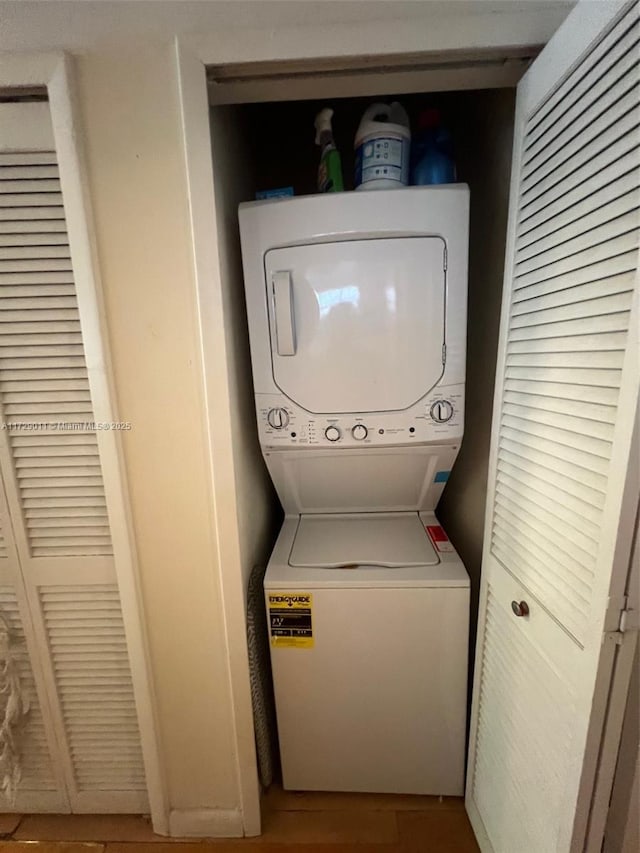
382 146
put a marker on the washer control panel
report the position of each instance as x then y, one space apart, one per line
438 416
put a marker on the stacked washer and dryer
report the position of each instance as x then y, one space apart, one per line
357 319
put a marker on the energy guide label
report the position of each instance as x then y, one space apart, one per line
290 619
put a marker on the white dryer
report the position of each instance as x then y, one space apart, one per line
357 320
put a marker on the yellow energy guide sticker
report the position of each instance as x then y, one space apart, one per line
290 619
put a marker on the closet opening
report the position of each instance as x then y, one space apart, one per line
269 145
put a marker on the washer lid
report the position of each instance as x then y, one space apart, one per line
392 539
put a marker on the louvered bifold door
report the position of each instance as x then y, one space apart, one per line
54 483
558 516
41 786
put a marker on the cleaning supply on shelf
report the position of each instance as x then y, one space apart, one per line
382 146
279 192
432 160
330 168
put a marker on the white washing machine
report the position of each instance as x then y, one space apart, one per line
357 318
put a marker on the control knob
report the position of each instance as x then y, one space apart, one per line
278 418
359 432
332 433
442 411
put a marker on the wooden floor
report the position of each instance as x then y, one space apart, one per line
292 823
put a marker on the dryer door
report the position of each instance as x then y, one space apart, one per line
359 325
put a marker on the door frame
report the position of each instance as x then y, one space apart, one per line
196 137
193 56
621 678
54 73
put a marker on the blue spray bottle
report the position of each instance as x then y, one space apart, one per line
432 151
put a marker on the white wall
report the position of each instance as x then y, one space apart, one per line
128 99
133 148
247 30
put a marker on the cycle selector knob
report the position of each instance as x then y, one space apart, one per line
332 433
441 411
359 432
278 418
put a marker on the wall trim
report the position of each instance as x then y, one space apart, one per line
194 107
54 71
206 823
387 74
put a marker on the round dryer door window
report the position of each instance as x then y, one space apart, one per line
359 325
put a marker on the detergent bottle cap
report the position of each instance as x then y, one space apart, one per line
429 118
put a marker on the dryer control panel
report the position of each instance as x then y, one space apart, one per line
439 416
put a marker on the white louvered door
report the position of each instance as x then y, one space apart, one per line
42 787
81 746
562 495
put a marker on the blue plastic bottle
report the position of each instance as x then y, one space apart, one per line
432 152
